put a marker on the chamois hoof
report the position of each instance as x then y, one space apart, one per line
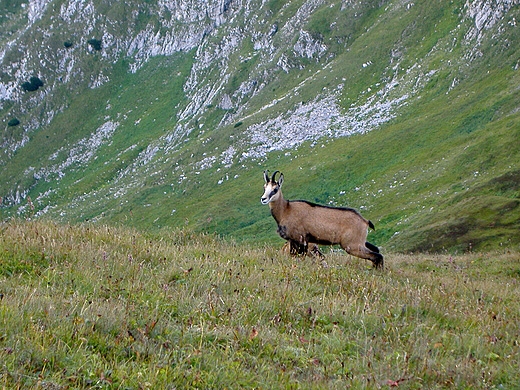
379 263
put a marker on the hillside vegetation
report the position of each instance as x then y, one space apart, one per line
98 307
165 114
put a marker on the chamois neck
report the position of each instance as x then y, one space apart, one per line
278 206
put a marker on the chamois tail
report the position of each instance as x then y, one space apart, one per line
371 225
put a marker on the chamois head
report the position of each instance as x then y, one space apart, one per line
271 187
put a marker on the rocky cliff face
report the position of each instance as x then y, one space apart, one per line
217 30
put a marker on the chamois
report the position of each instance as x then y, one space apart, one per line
303 223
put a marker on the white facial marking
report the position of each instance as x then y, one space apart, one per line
268 193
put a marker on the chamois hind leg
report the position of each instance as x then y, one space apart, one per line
372 247
365 253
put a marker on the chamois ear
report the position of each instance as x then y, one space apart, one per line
266 177
280 180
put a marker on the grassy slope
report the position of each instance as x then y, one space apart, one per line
441 175
91 306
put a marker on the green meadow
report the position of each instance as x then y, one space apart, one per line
90 306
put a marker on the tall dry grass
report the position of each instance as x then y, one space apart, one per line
101 307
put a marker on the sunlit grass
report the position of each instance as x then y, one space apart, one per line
99 307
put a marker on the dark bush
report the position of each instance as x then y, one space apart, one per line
13 122
27 86
36 82
96 44
67 44
32 85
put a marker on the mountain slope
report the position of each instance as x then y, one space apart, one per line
166 114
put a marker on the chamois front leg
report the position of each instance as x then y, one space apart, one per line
294 248
298 249
315 250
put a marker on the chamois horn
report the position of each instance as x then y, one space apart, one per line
274 174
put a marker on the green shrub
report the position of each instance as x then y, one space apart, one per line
32 85
67 44
36 81
13 122
96 44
